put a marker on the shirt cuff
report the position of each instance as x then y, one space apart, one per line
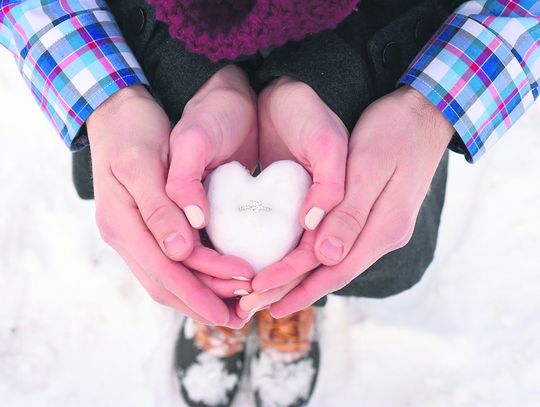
73 64
474 79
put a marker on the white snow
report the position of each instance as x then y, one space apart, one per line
278 382
77 330
207 381
256 218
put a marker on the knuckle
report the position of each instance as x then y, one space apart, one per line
192 136
305 295
156 216
327 143
176 189
172 189
287 84
179 190
323 140
336 192
350 216
287 90
225 94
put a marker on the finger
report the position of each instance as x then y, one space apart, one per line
297 263
367 176
217 123
271 147
246 316
210 262
190 150
235 321
389 227
181 282
145 182
327 156
128 228
254 302
157 292
225 288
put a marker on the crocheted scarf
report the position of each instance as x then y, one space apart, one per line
227 29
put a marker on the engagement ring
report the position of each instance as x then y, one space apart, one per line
254 206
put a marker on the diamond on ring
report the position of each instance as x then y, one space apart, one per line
254 206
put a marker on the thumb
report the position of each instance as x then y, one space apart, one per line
190 153
327 156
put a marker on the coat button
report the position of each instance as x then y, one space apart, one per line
137 20
391 55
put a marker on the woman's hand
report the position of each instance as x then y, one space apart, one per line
218 125
394 152
295 124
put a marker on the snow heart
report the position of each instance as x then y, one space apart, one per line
256 218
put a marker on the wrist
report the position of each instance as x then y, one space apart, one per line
427 113
116 103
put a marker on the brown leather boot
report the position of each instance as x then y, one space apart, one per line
209 361
284 369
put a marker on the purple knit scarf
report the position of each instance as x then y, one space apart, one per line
227 29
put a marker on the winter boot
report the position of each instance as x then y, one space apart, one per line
285 367
209 361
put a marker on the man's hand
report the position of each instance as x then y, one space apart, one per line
394 152
129 138
295 124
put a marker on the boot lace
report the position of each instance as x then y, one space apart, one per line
292 333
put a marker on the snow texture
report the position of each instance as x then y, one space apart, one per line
76 329
279 383
256 218
207 381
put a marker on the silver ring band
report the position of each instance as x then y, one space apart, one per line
254 206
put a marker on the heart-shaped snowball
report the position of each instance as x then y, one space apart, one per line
256 218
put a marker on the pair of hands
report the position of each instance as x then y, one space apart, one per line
365 197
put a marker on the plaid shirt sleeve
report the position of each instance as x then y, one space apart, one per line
481 69
72 56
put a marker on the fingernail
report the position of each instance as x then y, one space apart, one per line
195 216
254 311
332 248
240 278
313 218
174 243
241 292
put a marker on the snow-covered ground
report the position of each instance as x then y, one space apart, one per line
77 330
